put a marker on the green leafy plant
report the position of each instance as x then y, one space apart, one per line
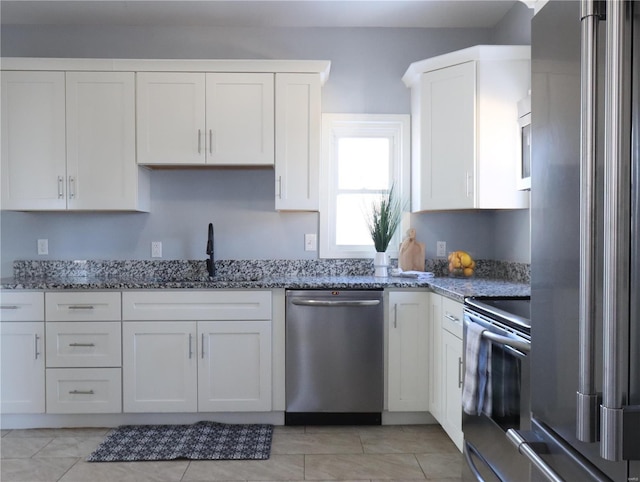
383 219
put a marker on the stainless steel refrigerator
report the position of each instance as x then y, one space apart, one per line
585 259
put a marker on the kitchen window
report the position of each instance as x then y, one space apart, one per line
363 155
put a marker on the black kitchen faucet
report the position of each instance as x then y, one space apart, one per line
210 266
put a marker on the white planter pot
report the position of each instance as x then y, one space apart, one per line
381 265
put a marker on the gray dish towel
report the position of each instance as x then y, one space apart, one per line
476 391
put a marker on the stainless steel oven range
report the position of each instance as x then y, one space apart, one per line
489 454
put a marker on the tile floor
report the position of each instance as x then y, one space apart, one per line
412 452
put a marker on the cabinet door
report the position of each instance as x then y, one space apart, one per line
234 372
101 162
297 141
452 392
448 138
170 118
240 119
22 368
159 366
408 351
435 358
33 140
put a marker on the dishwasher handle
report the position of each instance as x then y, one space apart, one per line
309 302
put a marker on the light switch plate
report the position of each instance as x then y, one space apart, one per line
441 249
310 242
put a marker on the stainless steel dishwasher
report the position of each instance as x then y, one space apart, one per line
334 357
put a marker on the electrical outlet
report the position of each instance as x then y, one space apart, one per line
310 242
441 249
156 249
43 246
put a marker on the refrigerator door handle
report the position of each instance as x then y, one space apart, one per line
617 211
587 399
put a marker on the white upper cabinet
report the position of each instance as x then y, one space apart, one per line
68 142
465 128
297 165
101 156
171 118
240 119
212 118
33 140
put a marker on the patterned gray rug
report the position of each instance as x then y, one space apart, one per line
200 441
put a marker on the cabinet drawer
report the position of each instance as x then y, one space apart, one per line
83 306
196 305
21 306
72 344
452 316
84 390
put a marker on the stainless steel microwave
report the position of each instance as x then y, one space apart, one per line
524 160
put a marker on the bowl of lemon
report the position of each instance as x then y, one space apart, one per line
461 264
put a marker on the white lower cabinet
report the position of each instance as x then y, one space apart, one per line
83 341
234 368
22 367
221 362
22 352
451 419
408 351
159 360
435 358
448 370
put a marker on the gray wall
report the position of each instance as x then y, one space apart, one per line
366 70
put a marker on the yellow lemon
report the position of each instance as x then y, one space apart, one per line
465 259
468 272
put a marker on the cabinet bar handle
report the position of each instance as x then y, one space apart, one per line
9 307
81 392
395 315
199 141
60 187
459 372
211 138
279 187
82 344
202 347
81 307
468 184
72 187
449 316
37 353
190 343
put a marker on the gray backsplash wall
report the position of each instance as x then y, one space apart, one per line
366 70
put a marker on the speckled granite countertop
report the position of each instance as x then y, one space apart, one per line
67 276
457 289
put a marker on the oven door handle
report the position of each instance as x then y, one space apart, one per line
525 449
523 346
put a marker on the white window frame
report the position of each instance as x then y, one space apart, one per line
334 126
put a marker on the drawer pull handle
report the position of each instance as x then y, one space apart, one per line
8 307
460 372
449 316
190 348
37 352
82 307
82 344
81 392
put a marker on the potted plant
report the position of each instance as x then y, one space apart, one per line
383 221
